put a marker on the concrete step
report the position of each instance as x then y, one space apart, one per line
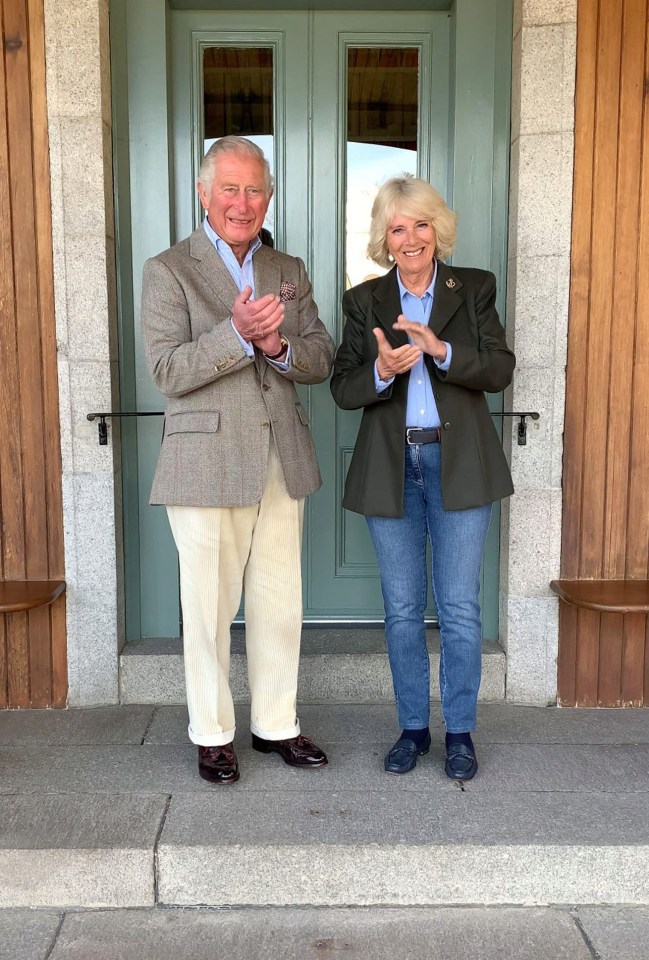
104 808
448 847
336 666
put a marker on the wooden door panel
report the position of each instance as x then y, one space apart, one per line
603 656
31 538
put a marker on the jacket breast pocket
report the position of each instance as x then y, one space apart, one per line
203 421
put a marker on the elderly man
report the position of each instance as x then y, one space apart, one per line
229 326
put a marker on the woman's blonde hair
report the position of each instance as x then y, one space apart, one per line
410 197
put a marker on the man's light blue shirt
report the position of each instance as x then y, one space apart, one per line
421 409
243 275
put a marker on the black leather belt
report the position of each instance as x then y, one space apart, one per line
416 435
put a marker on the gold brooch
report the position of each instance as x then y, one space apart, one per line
450 283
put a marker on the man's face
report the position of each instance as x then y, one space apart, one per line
237 203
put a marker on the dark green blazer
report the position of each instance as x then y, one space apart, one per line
474 469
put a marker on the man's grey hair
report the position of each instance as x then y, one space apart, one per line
233 146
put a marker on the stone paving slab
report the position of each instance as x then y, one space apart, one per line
27 934
516 723
293 934
158 768
311 817
96 725
359 933
617 933
563 767
497 723
91 850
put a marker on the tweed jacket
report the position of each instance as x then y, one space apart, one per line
474 469
222 405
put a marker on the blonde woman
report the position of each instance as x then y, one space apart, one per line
420 347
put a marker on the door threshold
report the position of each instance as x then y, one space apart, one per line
432 623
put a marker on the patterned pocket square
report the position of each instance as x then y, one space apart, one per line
286 291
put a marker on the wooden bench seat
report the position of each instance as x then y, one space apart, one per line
609 596
17 595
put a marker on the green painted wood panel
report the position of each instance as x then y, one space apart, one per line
481 90
151 232
124 254
343 579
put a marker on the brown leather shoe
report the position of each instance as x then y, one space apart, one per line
297 752
218 764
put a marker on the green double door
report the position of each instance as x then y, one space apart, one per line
339 101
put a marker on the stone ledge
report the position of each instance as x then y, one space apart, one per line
404 875
335 668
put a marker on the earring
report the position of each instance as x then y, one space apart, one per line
390 258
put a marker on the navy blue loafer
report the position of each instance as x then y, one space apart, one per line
461 762
402 757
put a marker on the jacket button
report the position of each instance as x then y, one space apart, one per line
447 425
438 395
265 423
266 386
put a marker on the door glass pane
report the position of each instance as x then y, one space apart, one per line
238 99
382 125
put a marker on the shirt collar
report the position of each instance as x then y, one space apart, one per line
221 244
429 290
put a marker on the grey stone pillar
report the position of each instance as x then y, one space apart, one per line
538 286
79 114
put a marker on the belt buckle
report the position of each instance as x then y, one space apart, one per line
409 430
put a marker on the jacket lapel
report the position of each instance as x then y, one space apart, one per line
211 267
447 298
386 307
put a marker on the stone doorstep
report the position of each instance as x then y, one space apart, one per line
336 666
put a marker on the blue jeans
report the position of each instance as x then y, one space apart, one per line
457 540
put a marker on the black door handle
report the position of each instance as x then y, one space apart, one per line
102 426
521 432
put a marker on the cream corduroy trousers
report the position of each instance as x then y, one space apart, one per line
221 550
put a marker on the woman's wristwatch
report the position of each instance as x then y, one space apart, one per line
276 356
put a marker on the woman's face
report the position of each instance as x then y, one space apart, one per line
412 243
